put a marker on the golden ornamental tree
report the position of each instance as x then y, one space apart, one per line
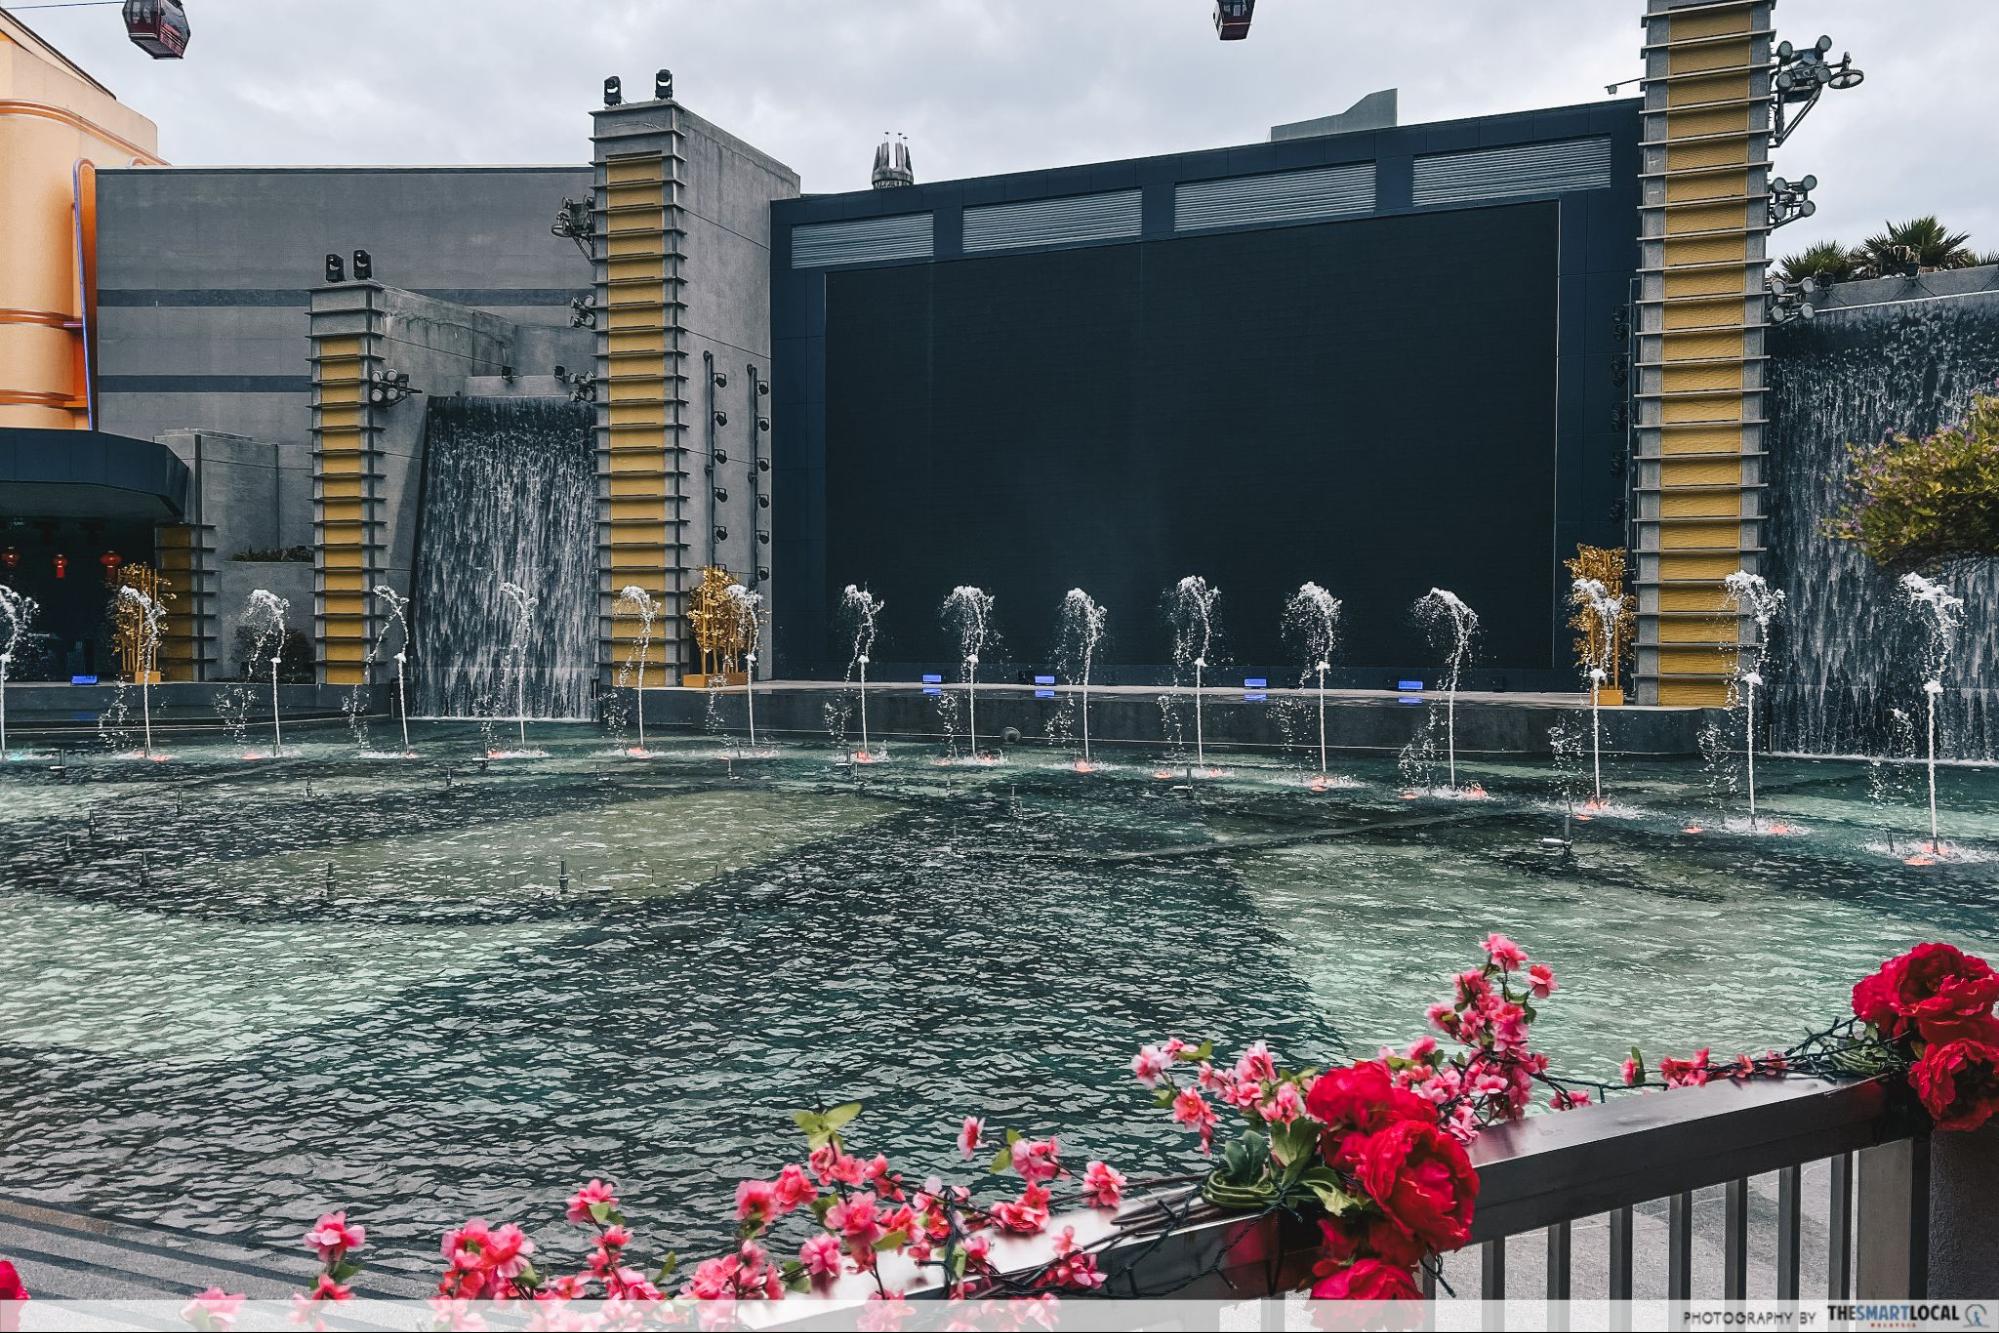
1595 648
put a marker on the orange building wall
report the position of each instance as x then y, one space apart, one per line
53 116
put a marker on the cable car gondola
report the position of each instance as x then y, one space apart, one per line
1232 19
157 27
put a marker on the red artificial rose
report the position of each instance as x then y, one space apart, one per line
1368 1280
1354 1238
1959 1083
1422 1179
1926 992
1363 1097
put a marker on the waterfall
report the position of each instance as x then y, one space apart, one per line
508 497
1853 649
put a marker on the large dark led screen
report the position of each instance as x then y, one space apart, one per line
1366 404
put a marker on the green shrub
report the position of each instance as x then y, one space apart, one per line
1920 503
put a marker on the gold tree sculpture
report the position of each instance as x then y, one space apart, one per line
720 634
138 651
1594 649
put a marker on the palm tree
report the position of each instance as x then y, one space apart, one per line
1931 244
1827 257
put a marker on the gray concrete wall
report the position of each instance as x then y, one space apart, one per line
729 189
204 275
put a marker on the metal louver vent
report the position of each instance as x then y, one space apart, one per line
1066 221
1496 173
863 241
1284 196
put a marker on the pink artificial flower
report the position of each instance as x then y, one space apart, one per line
1504 953
883 1181
597 1191
1509 1028
756 1201
834 1167
885 1312
331 1237
1072 1268
1191 1109
1149 1064
1568 1101
1633 1071
213 1311
821 1256
326 1289
971 1136
1103 1184
1541 980
1028 1215
1285 1105
1256 1064
793 1188
1037 1160
857 1220
1442 1017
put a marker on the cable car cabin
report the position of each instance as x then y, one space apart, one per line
1232 19
157 27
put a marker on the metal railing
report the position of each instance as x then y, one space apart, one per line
1567 1177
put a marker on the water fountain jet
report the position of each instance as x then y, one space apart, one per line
1442 612
1192 610
1942 615
524 604
969 612
145 613
1082 630
1751 595
1311 620
16 610
862 606
642 605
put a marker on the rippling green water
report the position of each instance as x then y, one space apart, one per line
196 1030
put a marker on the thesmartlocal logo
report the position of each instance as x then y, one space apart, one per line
1910 1314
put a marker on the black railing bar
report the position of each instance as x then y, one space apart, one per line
1620 1255
1839 1231
1790 1253
1561 1271
1680 1247
1492 1272
1735 1240
1554 1168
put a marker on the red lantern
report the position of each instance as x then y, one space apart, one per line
62 566
110 560
10 559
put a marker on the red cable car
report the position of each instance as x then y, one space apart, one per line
157 27
1232 19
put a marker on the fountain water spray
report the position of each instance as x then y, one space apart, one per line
1192 609
147 613
1082 630
1943 616
517 649
1312 620
267 612
16 611
643 606
1607 606
862 607
397 604
1452 624
747 607
969 612
1751 595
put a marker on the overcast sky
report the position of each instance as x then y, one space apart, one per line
982 86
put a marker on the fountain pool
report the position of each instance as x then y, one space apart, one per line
248 992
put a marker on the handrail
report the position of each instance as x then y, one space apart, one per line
1549 1169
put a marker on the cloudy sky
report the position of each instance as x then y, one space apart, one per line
983 86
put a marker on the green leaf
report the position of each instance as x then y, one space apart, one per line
1163 1095
602 1211
1013 1136
667 1266
842 1115
344 1269
1002 1160
895 1238
1295 1142
1205 1051
823 1204
528 1276
1330 1190
958 1260
817 1131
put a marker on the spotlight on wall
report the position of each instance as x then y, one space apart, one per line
1787 302
763 423
763 538
575 220
336 269
1791 199
614 91
721 495
662 85
763 502
763 388
364 266
722 457
1799 76
763 573
721 417
721 379
562 373
721 534
387 387
583 312
763 465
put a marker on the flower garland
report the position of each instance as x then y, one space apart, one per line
1374 1152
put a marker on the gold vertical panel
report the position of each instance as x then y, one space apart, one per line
344 484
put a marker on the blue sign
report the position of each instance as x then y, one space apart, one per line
1408 684
1253 687
83 680
1044 680
1044 694
931 682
